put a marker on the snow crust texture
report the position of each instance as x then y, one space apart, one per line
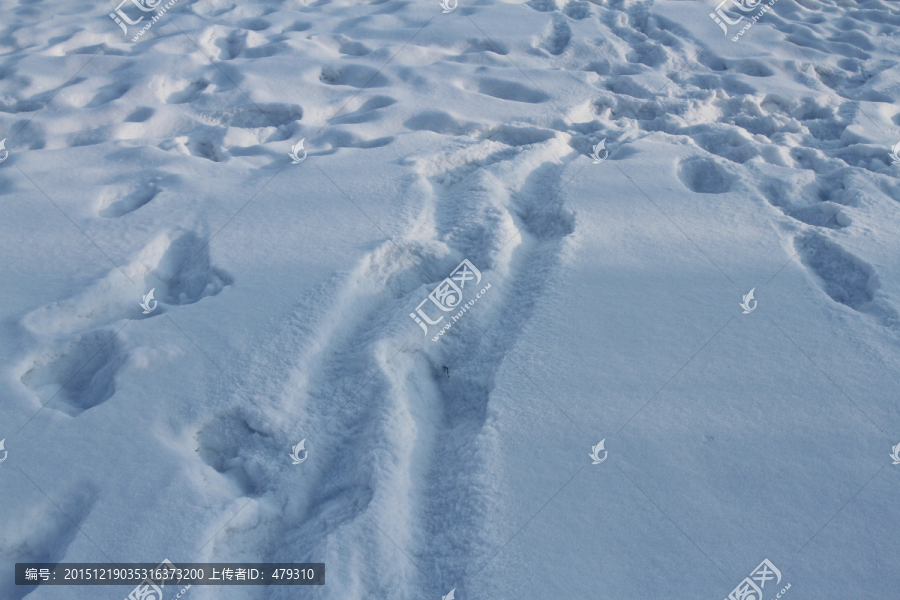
566 299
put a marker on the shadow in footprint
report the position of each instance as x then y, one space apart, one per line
357 76
187 94
513 135
298 26
107 94
704 176
82 371
232 46
233 446
203 149
845 278
366 112
510 90
44 532
134 200
140 115
542 5
254 24
439 121
557 36
255 116
344 139
187 269
351 48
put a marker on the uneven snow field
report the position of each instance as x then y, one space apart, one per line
285 294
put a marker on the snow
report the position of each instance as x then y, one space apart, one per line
285 292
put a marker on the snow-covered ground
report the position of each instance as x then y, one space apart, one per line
736 159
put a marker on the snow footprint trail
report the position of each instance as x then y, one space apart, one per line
80 347
421 498
408 443
495 188
320 360
810 155
354 365
729 117
83 350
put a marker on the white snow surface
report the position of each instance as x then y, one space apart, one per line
285 291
